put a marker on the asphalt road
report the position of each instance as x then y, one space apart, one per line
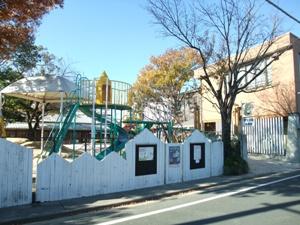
271 200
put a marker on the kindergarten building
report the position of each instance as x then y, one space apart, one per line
276 95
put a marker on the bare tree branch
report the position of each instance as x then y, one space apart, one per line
233 41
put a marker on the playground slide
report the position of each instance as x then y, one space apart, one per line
122 138
57 135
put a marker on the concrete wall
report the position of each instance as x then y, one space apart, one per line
15 174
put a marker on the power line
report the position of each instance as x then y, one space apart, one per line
286 13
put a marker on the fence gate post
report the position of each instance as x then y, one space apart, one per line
292 151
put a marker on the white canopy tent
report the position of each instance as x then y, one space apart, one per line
43 89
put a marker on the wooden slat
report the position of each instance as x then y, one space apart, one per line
58 179
15 174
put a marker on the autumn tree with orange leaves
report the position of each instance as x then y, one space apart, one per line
19 20
158 90
233 39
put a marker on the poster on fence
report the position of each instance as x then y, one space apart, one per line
146 153
197 155
145 159
174 155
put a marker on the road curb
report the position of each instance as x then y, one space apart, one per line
65 213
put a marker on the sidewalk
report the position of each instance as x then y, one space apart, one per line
48 210
261 164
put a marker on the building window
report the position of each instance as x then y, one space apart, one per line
263 80
210 127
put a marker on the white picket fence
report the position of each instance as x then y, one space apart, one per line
149 162
15 174
58 179
264 135
192 174
214 160
217 158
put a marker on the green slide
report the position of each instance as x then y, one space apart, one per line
120 141
58 135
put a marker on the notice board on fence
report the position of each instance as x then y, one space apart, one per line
174 155
145 159
197 155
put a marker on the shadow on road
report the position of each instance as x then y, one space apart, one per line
267 208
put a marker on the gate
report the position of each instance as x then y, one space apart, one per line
264 135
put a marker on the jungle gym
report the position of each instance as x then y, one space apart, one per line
113 119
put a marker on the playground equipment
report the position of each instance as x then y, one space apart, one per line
106 102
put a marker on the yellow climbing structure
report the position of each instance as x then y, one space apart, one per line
101 89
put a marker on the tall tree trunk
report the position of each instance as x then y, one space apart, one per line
31 131
33 117
226 130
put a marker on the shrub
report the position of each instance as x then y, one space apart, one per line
234 164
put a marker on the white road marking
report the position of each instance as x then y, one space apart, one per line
134 217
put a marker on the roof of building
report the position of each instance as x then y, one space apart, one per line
47 126
83 122
81 118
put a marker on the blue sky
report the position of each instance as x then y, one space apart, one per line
114 35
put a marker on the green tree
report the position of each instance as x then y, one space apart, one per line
28 60
11 109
